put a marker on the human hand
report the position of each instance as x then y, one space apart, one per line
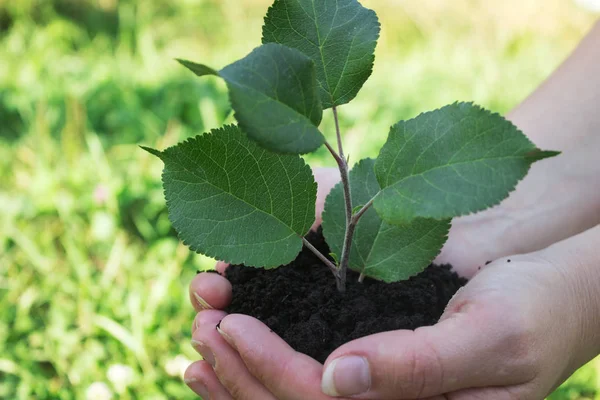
516 331
217 292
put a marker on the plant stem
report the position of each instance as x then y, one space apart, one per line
344 261
337 132
320 255
351 221
333 152
343 166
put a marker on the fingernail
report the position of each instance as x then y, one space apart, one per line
201 302
346 376
205 352
225 336
197 387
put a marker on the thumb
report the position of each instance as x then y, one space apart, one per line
478 343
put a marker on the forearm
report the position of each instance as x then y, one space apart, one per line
565 108
563 193
579 259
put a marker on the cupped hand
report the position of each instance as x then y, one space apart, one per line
496 340
511 333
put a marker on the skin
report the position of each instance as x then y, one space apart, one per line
517 330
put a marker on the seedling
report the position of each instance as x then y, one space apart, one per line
244 195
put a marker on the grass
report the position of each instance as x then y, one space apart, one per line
93 281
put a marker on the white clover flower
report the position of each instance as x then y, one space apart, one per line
177 366
98 391
121 376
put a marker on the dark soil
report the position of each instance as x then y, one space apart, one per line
301 304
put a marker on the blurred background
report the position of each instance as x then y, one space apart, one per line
93 281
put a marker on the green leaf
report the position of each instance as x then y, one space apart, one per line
340 36
537 154
275 96
198 69
335 258
381 250
449 162
234 201
357 209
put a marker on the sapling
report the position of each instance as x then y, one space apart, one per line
244 195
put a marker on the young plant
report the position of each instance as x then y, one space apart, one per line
243 194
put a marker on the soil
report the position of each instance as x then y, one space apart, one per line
301 304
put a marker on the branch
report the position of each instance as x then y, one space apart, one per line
343 165
337 131
321 257
335 155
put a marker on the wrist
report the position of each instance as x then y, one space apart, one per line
578 261
587 287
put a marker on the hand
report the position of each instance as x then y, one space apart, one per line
233 379
514 332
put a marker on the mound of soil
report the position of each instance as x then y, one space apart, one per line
301 304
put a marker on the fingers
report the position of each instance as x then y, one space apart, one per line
200 377
210 291
476 345
286 373
207 317
226 363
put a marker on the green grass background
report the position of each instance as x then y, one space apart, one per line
93 281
